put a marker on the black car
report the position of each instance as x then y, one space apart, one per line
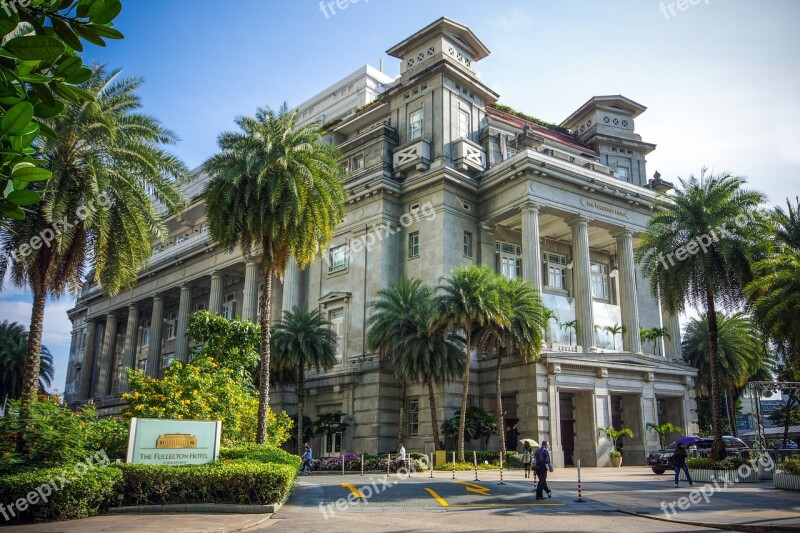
659 459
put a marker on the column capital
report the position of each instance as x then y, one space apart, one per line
158 297
622 232
133 306
185 285
216 274
576 220
530 206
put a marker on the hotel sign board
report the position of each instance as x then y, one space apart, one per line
604 208
173 442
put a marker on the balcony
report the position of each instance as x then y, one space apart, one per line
414 155
166 253
469 156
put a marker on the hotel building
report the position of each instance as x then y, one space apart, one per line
438 177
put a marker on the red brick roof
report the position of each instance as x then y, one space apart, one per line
541 130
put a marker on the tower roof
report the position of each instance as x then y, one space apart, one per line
618 101
442 26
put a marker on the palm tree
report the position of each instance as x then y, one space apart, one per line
519 331
468 301
109 169
663 430
646 334
276 190
405 328
615 330
656 334
13 349
740 351
697 251
787 224
570 326
303 340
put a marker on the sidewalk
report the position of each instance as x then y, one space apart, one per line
149 523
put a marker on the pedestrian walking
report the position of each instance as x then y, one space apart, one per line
678 461
307 458
402 456
543 464
527 458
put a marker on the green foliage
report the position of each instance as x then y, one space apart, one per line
240 481
664 429
260 453
791 465
202 390
784 416
111 434
85 495
614 454
540 122
704 463
40 69
13 349
232 343
614 435
330 424
479 424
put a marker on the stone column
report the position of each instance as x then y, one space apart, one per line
250 297
488 247
531 252
631 341
181 336
291 287
87 367
672 346
70 381
105 377
215 298
582 281
129 350
156 330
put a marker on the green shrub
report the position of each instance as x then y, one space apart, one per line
109 434
704 463
241 481
262 453
791 465
464 467
84 495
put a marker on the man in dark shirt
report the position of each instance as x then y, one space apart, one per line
678 460
542 459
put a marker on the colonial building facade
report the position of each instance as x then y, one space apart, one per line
437 178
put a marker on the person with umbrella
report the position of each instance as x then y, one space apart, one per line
678 460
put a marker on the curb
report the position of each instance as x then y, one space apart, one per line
730 527
220 508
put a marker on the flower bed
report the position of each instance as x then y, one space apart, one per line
732 470
352 463
789 475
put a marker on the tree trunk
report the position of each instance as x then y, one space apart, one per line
434 419
462 422
301 401
787 419
731 397
30 381
401 420
718 448
501 426
266 333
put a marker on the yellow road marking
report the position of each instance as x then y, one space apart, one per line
353 489
472 487
438 498
508 505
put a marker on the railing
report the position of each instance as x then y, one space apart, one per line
170 251
469 156
576 160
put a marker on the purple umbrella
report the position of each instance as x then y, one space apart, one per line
688 440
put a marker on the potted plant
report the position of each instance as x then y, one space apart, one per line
614 435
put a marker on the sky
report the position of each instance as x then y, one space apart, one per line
720 78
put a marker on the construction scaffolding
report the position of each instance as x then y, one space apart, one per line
757 390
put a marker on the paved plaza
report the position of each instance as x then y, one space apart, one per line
626 499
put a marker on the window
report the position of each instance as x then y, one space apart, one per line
413 244
337 259
415 124
199 306
172 325
464 127
467 244
510 261
413 417
332 444
599 281
556 269
357 162
229 306
168 358
623 173
145 334
336 318
141 364
510 152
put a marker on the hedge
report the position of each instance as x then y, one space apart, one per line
352 463
260 453
791 465
84 495
703 463
241 481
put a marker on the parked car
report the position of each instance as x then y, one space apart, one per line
658 460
